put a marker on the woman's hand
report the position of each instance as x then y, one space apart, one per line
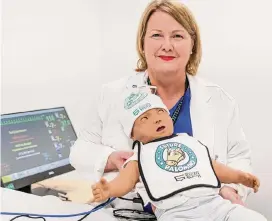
231 194
117 159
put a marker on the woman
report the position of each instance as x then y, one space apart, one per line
169 49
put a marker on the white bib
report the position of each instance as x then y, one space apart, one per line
175 164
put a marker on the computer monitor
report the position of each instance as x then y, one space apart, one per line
35 145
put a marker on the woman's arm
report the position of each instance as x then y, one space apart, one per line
238 152
88 154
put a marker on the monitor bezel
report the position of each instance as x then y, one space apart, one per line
27 181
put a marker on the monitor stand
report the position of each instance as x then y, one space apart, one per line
26 189
39 191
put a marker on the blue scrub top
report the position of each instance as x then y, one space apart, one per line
182 125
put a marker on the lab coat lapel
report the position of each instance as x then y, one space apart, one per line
201 113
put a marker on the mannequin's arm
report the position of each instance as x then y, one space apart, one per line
227 174
120 186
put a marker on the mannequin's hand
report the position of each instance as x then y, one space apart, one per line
249 180
117 159
229 193
101 190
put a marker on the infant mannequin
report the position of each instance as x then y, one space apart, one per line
146 120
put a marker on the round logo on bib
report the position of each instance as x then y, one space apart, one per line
175 157
133 99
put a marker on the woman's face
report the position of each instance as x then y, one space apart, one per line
167 45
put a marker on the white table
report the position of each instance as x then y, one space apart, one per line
15 201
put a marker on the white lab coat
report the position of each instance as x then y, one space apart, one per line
215 122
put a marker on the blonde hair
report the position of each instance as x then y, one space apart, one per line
184 17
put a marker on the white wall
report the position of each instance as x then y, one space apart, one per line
51 54
237 55
58 52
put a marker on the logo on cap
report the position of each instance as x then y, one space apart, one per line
133 99
141 108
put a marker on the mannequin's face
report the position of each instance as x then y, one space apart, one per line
151 125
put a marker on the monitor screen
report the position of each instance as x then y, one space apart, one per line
35 145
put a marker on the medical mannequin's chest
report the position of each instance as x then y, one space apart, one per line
177 164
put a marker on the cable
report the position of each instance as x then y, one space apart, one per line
98 207
120 213
132 214
38 217
134 200
122 198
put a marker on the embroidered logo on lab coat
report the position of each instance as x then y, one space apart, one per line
175 157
